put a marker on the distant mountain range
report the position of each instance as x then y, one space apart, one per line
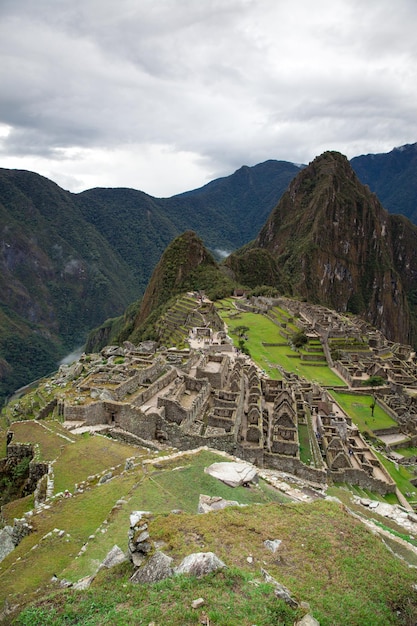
69 261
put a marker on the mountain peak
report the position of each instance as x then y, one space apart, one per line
333 243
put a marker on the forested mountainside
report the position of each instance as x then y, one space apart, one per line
58 277
69 261
330 241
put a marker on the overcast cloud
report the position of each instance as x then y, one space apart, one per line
165 95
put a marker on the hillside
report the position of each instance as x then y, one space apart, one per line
70 261
58 277
333 243
393 177
185 265
331 493
326 556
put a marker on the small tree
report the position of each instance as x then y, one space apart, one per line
243 347
299 339
241 330
373 381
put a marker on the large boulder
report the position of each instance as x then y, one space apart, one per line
233 474
199 564
156 568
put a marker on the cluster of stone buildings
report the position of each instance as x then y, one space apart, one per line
210 394
214 396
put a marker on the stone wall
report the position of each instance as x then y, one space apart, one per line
47 409
183 441
175 412
218 378
91 413
134 420
362 479
147 374
127 387
36 471
292 465
16 452
221 422
155 388
393 430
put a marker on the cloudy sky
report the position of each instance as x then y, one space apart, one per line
166 95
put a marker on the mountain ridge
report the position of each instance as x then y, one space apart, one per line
70 261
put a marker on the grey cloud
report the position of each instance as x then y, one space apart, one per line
230 81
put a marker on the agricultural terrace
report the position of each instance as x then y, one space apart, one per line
358 407
75 457
262 331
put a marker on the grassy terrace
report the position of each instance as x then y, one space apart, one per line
263 331
401 475
81 516
358 407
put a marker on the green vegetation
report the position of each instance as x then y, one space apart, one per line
304 440
401 475
359 408
232 598
299 339
270 349
327 558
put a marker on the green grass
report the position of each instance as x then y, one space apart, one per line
50 444
358 409
231 599
263 331
401 476
304 441
406 451
326 558
91 455
159 490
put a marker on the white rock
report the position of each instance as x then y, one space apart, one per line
136 516
199 564
233 474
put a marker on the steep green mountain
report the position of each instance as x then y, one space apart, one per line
226 213
393 177
333 243
233 208
58 277
186 265
70 261
134 224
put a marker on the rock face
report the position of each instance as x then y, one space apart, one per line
232 474
280 590
334 244
116 556
6 542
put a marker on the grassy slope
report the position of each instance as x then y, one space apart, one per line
263 330
326 558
